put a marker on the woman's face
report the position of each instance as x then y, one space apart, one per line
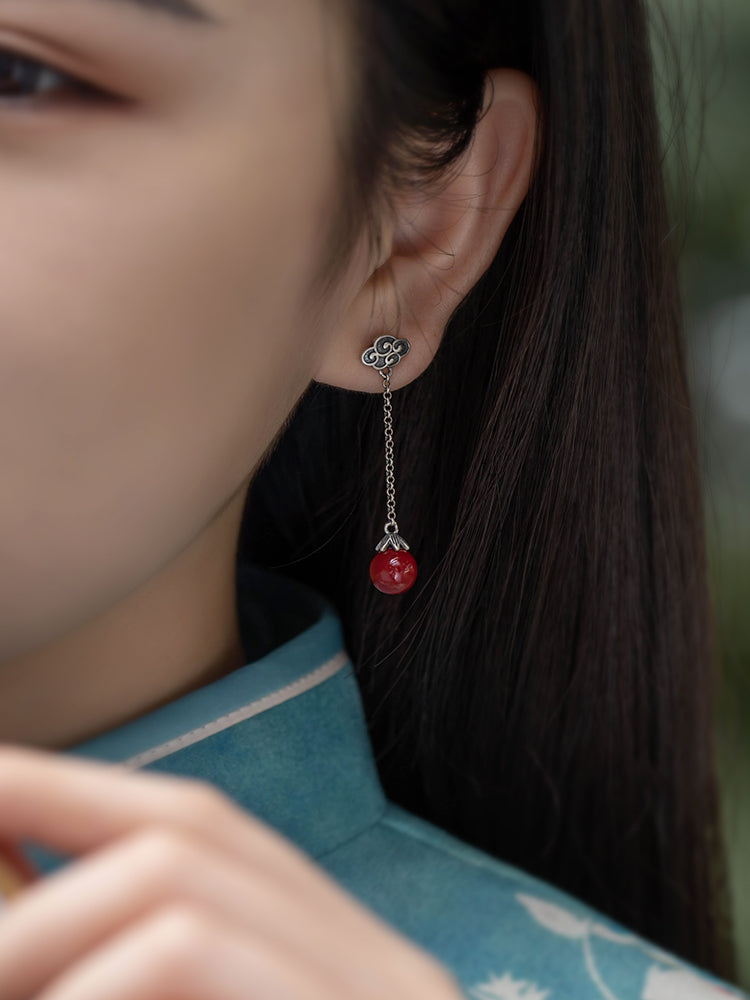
158 301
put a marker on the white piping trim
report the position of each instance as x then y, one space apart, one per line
283 694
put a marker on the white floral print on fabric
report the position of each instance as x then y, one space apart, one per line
554 917
508 988
667 978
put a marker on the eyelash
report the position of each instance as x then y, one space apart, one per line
34 71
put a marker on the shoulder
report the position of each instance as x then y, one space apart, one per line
503 933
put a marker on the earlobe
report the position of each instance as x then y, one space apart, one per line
443 241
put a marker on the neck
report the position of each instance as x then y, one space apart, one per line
174 634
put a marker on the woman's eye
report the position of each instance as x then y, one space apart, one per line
24 80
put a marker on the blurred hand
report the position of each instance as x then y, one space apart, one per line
176 893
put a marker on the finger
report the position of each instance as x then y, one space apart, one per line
75 806
77 909
184 954
79 805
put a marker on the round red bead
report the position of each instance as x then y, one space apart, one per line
393 572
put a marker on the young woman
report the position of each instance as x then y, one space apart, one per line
215 210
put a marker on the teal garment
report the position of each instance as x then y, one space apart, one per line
285 736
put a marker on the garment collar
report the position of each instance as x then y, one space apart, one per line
285 735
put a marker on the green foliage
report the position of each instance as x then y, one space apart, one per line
702 50
731 577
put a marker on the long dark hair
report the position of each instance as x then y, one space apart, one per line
545 691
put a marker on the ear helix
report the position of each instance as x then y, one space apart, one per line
394 569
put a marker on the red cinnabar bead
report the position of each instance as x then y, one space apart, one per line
393 572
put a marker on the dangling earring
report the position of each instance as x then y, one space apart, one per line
394 568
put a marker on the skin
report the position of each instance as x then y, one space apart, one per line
181 895
161 317
175 332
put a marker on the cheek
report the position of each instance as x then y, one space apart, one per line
155 335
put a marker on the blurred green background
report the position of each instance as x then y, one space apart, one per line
704 49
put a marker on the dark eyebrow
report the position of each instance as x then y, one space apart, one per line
184 10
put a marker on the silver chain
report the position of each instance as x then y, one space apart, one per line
390 478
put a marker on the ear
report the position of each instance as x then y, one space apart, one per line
439 243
